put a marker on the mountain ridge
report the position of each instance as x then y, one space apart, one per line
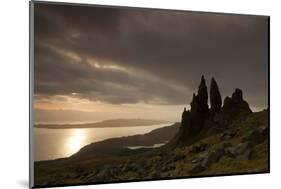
105 124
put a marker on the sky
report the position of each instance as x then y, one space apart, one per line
97 63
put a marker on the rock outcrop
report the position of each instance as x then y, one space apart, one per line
193 120
233 108
214 119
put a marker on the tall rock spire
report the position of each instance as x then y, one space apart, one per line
193 120
199 108
202 96
215 97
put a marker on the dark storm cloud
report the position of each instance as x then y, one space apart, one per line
158 56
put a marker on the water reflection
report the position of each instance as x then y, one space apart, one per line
75 140
58 143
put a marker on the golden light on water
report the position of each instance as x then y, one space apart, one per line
76 140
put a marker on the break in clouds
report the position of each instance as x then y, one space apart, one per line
131 56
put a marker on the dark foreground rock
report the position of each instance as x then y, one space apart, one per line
197 168
258 135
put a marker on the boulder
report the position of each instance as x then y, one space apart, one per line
90 177
178 157
197 168
127 166
133 167
242 147
198 148
213 157
230 152
104 174
195 160
168 168
258 135
247 155
154 174
239 150
147 165
227 145
199 159
228 135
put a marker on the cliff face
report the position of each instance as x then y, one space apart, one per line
200 117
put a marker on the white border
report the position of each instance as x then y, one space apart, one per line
14 82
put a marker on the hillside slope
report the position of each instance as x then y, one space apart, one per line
243 148
118 146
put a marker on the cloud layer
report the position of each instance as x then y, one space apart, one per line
129 56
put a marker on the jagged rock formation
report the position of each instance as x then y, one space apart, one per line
186 120
216 118
199 109
203 108
215 97
233 108
193 120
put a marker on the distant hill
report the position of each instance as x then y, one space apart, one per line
105 124
117 146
